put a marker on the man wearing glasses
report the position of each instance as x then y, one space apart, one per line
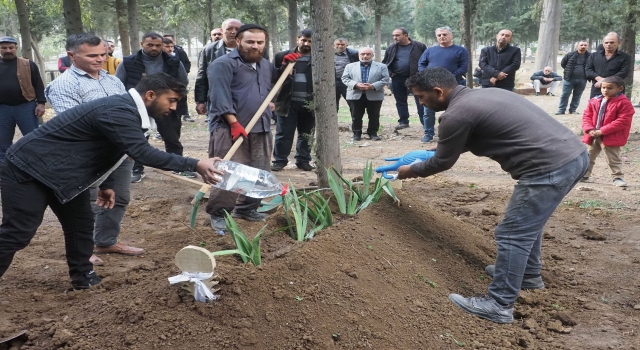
452 57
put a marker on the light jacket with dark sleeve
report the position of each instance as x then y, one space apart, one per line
569 63
540 74
209 53
72 151
239 89
598 64
494 61
417 48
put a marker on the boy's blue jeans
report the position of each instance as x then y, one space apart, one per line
519 235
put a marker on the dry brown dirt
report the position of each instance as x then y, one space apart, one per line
378 280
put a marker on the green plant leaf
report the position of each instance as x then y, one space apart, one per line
338 192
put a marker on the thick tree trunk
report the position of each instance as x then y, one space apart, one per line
123 27
209 22
293 22
628 44
324 90
40 61
468 15
132 19
25 28
72 16
378 36
549 35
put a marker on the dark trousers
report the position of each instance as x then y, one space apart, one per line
341 91
254 152
182 108
169 128
299 118
575 87
22 115
358 107
401 93
24 201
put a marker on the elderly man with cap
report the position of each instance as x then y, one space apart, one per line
239 82
21 94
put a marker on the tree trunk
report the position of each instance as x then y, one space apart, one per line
273 32
132 19
123 28
72 16
293 23
378 36
324 90
41 64
628 44
468 15
25 28
524 54
549 35
209 22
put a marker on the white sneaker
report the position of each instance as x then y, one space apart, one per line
619 182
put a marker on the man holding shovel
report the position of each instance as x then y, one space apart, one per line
55 165
544 156
239 82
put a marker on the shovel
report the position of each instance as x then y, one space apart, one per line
206 187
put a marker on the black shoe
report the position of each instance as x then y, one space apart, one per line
561 113
537 94
401 126
375 137
187 174
187 118
356 137
550 94
426 139
277 166
137 176
574 112
251 215
86 281
305 166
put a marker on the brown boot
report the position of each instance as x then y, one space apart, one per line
119 248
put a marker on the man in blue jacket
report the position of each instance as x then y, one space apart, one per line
447 55
56 164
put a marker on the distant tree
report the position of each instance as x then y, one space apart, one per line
25 28
549 34
72 16
132 20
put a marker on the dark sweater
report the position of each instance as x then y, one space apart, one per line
10 91
503 126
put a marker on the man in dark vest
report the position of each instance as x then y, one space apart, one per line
21 94
149 60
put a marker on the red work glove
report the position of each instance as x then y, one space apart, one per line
237 130
292 57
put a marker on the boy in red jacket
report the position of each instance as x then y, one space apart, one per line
606 124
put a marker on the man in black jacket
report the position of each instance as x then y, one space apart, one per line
55 165
402 59
149 60
575 77
183 108
607 61
499 63
209 54
343 55
292 106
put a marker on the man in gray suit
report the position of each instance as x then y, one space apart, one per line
365 81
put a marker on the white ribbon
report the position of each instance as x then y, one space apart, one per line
200 291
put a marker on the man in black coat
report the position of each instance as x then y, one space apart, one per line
499 63
343 55
575 77
607 61
183 108
56 164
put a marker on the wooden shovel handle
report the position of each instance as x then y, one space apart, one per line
206 187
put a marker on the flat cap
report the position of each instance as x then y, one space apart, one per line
8 39
246 27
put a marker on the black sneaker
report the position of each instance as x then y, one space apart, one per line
187 174
277 166
375 137
401 126
251 215
356 137
426 139
562 112
550 94
86 281
187 118
305 166
137 176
